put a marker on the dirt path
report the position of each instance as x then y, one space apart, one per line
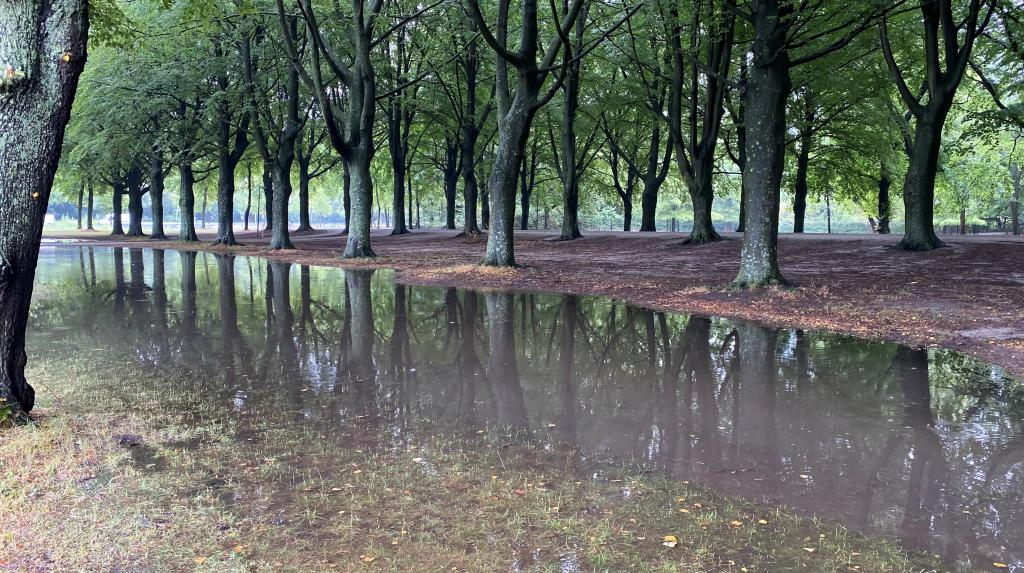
968 296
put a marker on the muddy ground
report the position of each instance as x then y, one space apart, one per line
968 296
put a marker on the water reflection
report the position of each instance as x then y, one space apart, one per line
924 445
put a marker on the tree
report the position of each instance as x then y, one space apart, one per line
43 47
946 57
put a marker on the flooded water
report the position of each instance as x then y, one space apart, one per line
926 446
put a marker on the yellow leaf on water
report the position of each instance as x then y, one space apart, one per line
670 541
999 565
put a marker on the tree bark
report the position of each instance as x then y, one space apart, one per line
81 197
884 207
156 195
304 221
117 206
89 206
44 45
248 195
919 186
803 162
135 193
268 195
186 203
358 244
767 89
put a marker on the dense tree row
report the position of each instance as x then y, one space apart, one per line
574 105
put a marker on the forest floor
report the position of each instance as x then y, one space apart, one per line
968 296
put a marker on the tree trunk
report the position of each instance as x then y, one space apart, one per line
919 185
117 206
649 207
1017 175
43 45
358 244
884 207
702 197
765 97
485 208
248 196
470 187
156 196
963 221
206 191
346 196
304 220
268 195
81 197
225 199
186 203
135 193
502 191
89 205
800 187
398 195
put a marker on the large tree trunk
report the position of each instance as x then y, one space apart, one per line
117 206
800 186
470 187
765 97
702 196
884 207
89 206
358 244
225 198
286 142
919 185
187 203
304 222
156 196
346 199
512 134
268 195
649 207
135 193
44 43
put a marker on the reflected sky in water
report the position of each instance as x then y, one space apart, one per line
922 445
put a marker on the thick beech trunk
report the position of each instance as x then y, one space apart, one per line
89 206
268 195
884 206
156 195
358 243
135 193
649 208
512 134
187 203
767 89
919 185
117 206
43 43
702 196
304 221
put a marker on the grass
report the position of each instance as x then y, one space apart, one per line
162 480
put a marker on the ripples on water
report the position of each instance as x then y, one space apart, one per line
923 445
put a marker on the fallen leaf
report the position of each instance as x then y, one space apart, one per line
809 549
763 521
670 541
200 560
735 523
368 558
999 565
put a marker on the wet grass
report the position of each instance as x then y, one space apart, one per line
163 480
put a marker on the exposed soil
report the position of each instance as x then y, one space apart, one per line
968 296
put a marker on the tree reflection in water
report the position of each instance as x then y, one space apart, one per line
926 445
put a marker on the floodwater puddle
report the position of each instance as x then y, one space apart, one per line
924 446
